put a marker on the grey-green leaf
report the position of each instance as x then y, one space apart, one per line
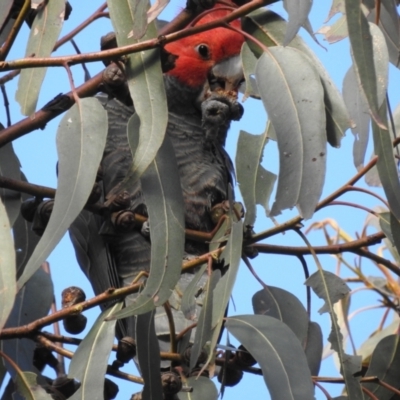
162 191
89 363
33 301
249 64
148 354
270 28
314 347
146 86
203 330
292 94
363 55
10 167
188 303
386 164
27 386
358 109
231 255
44 33
385 364
280 304
81 138
329 287
285 379
8 285
255 182
298 11
5 7
336 32
203 388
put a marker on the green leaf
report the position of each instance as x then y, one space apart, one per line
280 304
146 86
255 182
331 289
28 387
203 331
284 378
386 164
162 191
203 388
148 353
364 59
368 347
8 287
32 302
249 64
231 256
43 36
385 364
270 28
292 94
314 347
5 7
89 363
336 32
81 138
10 167
358 109
298 16
188 303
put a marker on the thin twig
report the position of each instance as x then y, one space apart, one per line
6 104
14 30
132 48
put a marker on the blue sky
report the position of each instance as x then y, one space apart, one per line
38 158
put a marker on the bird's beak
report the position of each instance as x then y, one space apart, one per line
227 75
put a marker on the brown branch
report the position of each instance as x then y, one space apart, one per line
133 48
108 296
96 15
8 77
355 245
323 203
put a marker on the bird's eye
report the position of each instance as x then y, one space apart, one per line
203 50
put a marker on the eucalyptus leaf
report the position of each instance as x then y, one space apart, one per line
5 7
32 302
331 289
298 11
146 86
363 54
314 347
386 164
188 303
89 363
292 94
27 386
255 182
148 354
81 137
203 388
385 364
44 33
358 109
284 378
336 32
249 64
270 28
162 191
203 330
280 304
8 286
10 167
